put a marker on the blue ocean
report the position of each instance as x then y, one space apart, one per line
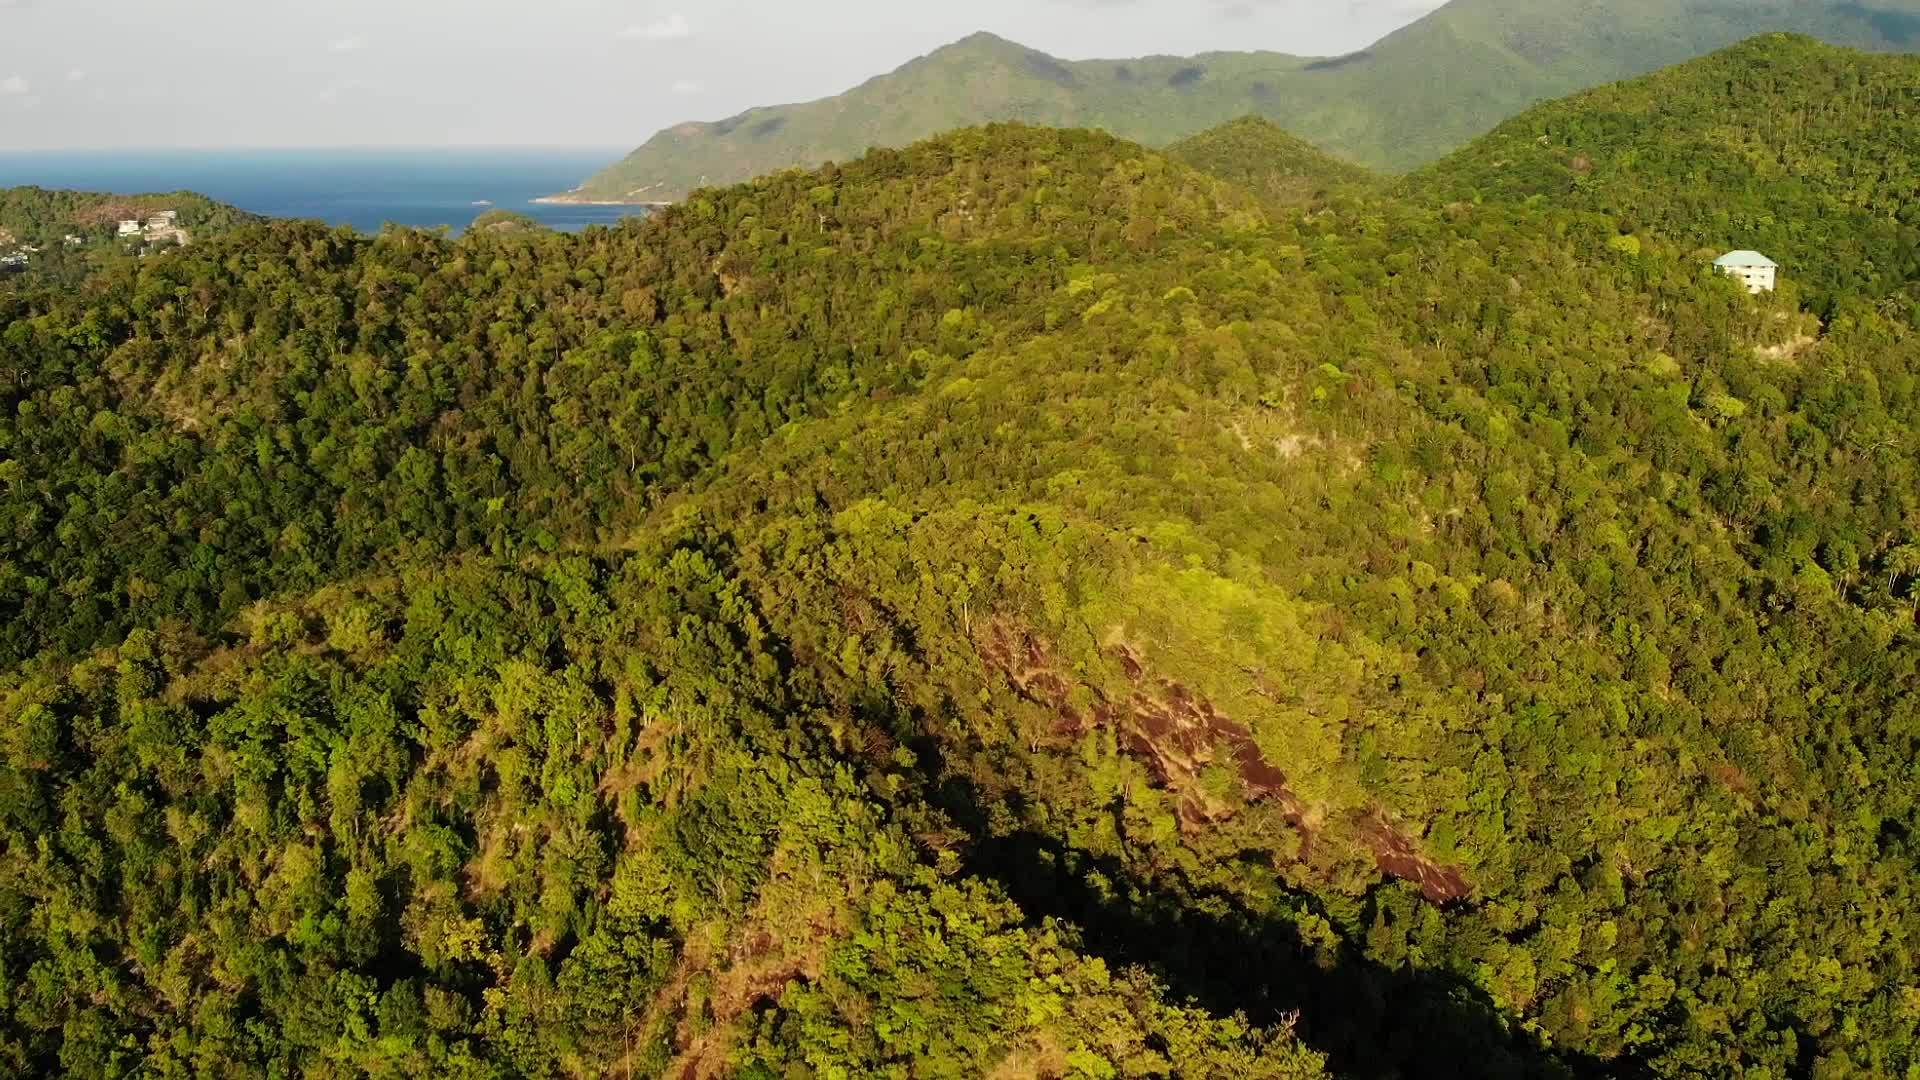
364 188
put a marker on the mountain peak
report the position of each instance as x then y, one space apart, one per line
1269 161
983 37
983 43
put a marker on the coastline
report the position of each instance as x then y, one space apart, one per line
570 199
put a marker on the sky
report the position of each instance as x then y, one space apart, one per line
588 73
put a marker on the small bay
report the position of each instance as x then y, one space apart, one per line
361 188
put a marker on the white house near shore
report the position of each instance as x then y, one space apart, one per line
1756 271
159 228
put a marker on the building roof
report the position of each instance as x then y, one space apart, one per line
1744 258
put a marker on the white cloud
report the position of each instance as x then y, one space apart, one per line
77 75
1397 10
333 92
348 44
686 86
14 85
672 28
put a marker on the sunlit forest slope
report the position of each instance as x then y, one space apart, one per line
1018 605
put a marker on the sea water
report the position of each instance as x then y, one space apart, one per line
363 188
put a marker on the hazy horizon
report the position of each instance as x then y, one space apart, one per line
81 75
298 148
364 188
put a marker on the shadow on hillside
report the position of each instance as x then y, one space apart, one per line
1371 1021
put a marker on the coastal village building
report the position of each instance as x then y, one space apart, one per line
160 228
1759 273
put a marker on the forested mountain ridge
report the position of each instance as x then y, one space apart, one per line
1283 169
1016 604
1802 150
978 79
1402 102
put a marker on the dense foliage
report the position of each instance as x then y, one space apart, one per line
1016 606
1283 169
1402 102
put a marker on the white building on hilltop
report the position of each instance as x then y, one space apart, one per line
1759 273
161 228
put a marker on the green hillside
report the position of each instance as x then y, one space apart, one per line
41 216
1259 156
1799 149
1011 606
38 222
1402 102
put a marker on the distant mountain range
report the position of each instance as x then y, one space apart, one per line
1405 101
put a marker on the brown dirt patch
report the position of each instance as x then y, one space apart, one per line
1786 350
1395 853
1179 735
744 970
109 212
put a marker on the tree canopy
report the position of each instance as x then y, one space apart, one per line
1017 605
